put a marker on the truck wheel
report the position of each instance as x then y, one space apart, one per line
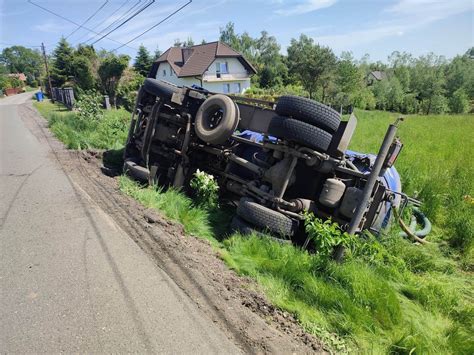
159 88
265 218
216 119
309 111
239 225
300 132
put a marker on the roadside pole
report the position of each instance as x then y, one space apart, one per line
47 72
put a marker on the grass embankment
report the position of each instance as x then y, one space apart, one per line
109 132
389 295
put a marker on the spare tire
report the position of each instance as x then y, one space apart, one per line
159 88
266 218
300 132
309 111
216 119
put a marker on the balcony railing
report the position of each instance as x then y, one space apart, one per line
224 77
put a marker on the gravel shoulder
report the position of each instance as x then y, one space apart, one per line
234 303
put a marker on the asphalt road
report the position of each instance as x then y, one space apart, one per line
70 279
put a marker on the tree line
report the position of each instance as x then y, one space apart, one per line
425 84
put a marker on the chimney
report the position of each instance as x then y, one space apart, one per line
187 52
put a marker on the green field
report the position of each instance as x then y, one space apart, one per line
390 295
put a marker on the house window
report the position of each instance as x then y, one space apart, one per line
221 68
224 68
164 72
237 88
226 88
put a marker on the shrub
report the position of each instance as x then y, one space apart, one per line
439 104
326 235
206 189
459 102
128 87
89 106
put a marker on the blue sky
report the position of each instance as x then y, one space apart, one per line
445 27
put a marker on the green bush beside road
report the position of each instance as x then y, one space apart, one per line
108 132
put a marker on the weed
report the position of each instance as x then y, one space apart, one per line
206 189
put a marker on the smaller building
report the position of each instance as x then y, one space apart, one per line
19 76
374 76
214 66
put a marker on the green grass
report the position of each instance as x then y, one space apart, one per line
436 166
110 132
389 296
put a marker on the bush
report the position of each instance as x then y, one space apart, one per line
410 104
128 88
459 102
89 106
206 189
326 235
439 104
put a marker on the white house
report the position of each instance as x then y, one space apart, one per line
214 66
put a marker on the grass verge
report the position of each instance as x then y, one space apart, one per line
107 133
389 296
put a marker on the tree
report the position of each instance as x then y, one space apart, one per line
62 69
312 64
82 72
143 61
110 72
428 81
19 59
459 102
157 54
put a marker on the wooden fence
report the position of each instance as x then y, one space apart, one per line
64 95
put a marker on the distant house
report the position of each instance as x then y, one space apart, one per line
214 66
374 76
19 76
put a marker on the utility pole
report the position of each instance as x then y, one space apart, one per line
47 72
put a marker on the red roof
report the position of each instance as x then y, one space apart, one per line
20 76
195 60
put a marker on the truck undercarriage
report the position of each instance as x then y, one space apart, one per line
277 160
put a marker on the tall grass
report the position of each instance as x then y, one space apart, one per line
389 296
110 132
436 166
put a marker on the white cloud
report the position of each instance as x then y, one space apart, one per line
53 27
304 7
405 16
431 9
355 38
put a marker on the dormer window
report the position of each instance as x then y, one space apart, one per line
221 68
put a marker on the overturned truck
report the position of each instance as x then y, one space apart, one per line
276 159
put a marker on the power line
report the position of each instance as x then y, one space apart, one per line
105 20
115 21
152 27
124 22
87 20
73 22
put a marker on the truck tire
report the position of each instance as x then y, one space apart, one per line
265 218
159 88
216 119
239 225
300 132
309 111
